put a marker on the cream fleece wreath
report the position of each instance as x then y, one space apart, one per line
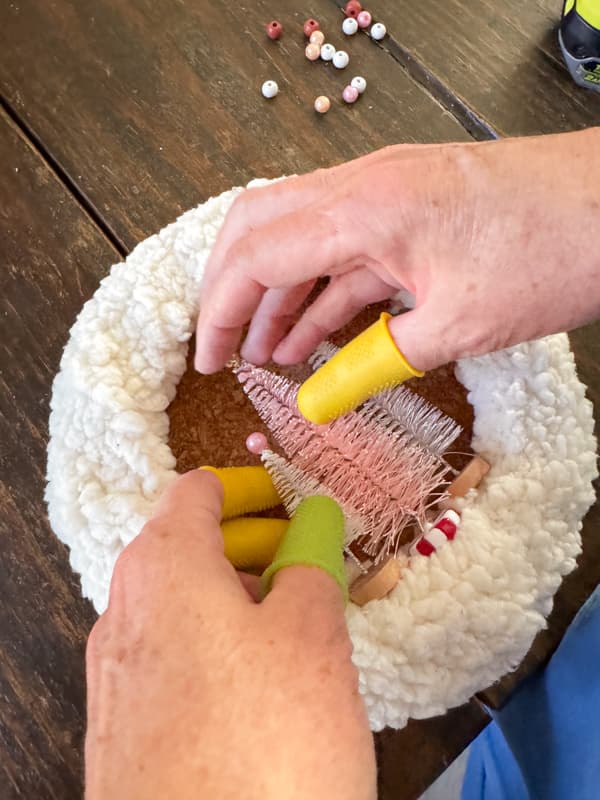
457 620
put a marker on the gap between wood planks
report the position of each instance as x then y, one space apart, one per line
434 87
63 176
426 80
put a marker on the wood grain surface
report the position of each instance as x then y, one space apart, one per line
497 65
130 114
155 105
52 258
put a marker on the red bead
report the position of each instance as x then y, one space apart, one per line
310 26
447 526
424 547
352 8
274 29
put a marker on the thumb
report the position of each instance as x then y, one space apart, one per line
423 338
367 365
184 537
314 540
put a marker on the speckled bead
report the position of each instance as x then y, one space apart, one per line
310 26
317 37
364 19
349 26
274 29
350 94
359 83
312 52
327 52
322 104
352 8
340 59
269 89
378 31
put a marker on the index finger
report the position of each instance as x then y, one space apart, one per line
313 241
256 206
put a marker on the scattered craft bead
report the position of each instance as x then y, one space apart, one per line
350 94
340 59
349 26
352 8
364 19
322 104
317 37
274 29
312 52
256 443
359 83
441 531
327 52
378 31
269 89
310 26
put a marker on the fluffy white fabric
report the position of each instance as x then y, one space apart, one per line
458 620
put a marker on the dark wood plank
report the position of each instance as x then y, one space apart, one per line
151 106
411 759
52 258
501 61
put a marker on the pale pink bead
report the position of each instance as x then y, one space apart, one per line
256 443
350 94
317 37
312 52
364 19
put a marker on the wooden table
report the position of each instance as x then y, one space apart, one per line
115 118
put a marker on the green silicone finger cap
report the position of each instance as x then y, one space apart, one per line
315 538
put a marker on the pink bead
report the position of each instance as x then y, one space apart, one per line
322 104
317 37
350 94
310 26
312 52
364 19
274 29
256 443
352 8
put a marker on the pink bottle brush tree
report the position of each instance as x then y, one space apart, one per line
382 463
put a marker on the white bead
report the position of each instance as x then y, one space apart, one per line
359 83
269 89
436 538
327 52
378 31
349 26
341 59
449 514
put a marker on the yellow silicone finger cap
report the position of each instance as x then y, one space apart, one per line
245 489
251 542
367 365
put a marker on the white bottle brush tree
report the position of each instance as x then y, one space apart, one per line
383 463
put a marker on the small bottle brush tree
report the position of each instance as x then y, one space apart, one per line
374 465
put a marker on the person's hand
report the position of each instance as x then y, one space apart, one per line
498 242
196 689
